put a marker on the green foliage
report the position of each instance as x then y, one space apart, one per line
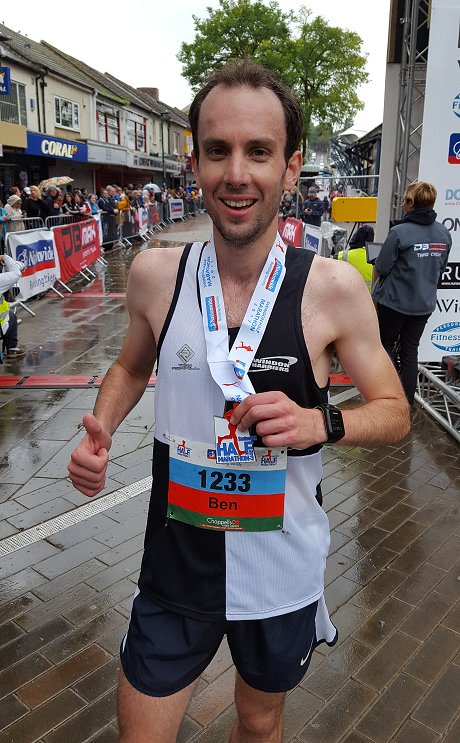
323 64
237 29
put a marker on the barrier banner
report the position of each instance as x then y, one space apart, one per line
312 237
176 208
143 218
440 165
153 215
291 230
78 245
36 250
98 219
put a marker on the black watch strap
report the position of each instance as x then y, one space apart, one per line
333 422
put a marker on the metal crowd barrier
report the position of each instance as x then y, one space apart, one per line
61 219
24 223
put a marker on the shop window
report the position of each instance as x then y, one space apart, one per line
135 133
66 114
13 106
108 124
176 143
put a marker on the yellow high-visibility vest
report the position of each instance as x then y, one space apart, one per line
4 310
358 258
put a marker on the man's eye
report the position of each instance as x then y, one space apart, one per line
259 152
216 152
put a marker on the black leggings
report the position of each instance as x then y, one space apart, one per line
406 331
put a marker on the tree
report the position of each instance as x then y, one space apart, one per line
322 64
237 29
327 67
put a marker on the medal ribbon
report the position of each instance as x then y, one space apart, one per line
230 370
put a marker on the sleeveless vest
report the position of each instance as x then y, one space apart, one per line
213 575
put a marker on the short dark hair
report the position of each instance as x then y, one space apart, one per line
249 73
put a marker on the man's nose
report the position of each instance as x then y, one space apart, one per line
236 173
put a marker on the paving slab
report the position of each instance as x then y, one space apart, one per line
392 576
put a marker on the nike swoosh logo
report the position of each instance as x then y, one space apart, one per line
304 660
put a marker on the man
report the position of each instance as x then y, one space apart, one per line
51 206
287 208
313 208
8 321
201 576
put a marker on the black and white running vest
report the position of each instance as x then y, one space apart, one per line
213 575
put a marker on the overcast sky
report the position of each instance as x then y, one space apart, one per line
138 42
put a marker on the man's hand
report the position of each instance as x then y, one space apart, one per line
280 421
89 461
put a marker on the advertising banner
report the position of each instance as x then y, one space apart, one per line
78 245
143 218
5 81
176 208
291 230
312 237
36 250
440 165
98 219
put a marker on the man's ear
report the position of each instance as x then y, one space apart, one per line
195 168
293 169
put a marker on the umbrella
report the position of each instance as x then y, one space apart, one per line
58 180
153 186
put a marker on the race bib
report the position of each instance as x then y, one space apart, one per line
244 496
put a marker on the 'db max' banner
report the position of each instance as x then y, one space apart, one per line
78 245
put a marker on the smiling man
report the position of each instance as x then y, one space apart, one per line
236 539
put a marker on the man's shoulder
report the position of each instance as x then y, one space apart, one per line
330 279
156 266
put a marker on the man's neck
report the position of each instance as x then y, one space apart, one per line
243 264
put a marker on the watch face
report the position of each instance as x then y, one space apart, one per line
336 429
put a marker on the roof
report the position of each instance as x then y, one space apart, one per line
43 56
104 83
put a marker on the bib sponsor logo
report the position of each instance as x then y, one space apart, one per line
269 459
183 450
447 336
273 363
211 454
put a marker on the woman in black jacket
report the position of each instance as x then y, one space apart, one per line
409 265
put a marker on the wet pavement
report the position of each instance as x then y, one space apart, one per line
393 575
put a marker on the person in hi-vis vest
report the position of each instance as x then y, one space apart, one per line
355 252
8 321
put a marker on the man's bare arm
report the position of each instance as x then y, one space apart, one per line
149 282
347 319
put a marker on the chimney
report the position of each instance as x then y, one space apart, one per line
151 91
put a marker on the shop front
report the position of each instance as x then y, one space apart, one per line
59 157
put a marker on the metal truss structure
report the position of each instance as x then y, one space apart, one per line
439 396
414 57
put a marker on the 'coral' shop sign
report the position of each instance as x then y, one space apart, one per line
44 145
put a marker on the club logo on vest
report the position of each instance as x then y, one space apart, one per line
273 363
185 353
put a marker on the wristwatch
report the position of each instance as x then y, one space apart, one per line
333 422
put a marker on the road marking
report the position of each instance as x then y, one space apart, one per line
41 531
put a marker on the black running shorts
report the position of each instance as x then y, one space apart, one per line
163 652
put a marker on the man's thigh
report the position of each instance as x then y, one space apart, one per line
164 652
272 655
147 719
